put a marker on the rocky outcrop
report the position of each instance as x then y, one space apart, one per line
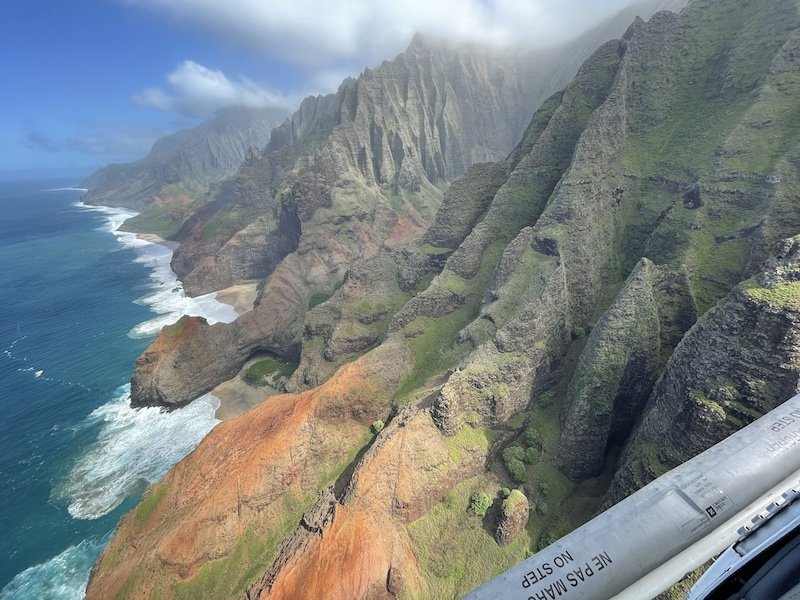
403 474
741 361
159 380
525 320
246 487
190 158
513 517
620 364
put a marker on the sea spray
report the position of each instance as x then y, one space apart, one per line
63 577
64 325
167 298
134 447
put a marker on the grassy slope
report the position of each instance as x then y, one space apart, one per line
718 62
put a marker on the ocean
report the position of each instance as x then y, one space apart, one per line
80 301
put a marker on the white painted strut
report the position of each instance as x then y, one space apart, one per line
650 540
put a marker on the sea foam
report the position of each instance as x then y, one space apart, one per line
167 298
63 577
134 447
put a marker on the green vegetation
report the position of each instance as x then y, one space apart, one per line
149 504
450 544
513 498
174 330
547 398
514 453
229 577
703 400
532 456
532 438
467 438
785 293
268 370
318 298
224 224
479 503
513 459
377 426
165 218
546 539
432 342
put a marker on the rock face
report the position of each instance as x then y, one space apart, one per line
620 364
208 510
158 375
513 517
739 363
350 174
190 158
643 201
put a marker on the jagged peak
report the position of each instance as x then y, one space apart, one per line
634 27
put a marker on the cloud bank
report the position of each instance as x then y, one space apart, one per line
119 140
322 33
197 91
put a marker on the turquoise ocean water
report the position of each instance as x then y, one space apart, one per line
79 302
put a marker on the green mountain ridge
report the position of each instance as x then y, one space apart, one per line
180 167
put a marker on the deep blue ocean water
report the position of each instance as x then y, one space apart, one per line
78 304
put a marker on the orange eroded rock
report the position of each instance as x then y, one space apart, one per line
236 478
365 552
351 560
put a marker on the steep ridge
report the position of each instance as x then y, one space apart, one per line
179 167
350 174
399 131
620 364
740 362
654 186
177 540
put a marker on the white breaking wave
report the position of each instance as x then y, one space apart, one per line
63 577
134 447
168 299
67 189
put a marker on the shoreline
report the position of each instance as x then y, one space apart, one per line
235 396
241 296
152 238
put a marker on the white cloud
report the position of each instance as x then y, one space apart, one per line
323 33
197 91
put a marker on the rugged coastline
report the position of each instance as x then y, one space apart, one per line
525 328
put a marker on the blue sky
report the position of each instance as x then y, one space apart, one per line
90 82
71 70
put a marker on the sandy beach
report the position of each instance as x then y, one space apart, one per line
236 396
241 297
157 239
